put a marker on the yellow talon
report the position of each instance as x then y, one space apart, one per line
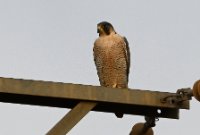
114 85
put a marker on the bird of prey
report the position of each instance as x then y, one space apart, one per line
111 56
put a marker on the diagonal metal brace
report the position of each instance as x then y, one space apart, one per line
72 118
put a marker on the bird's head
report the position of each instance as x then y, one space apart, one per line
105 28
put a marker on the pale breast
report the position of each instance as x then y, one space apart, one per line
110 60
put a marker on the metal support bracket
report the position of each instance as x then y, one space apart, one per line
85 98
72 118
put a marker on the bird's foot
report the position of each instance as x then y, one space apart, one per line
114 85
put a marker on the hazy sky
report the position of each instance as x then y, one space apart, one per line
53 40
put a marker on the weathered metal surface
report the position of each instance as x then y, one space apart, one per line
72 118
128 101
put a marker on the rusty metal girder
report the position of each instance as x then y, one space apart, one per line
57 94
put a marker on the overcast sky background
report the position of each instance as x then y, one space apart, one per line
52 40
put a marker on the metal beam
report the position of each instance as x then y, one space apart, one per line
57 94
72 118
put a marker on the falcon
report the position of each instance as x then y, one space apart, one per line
111 56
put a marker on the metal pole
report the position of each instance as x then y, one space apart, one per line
72 118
